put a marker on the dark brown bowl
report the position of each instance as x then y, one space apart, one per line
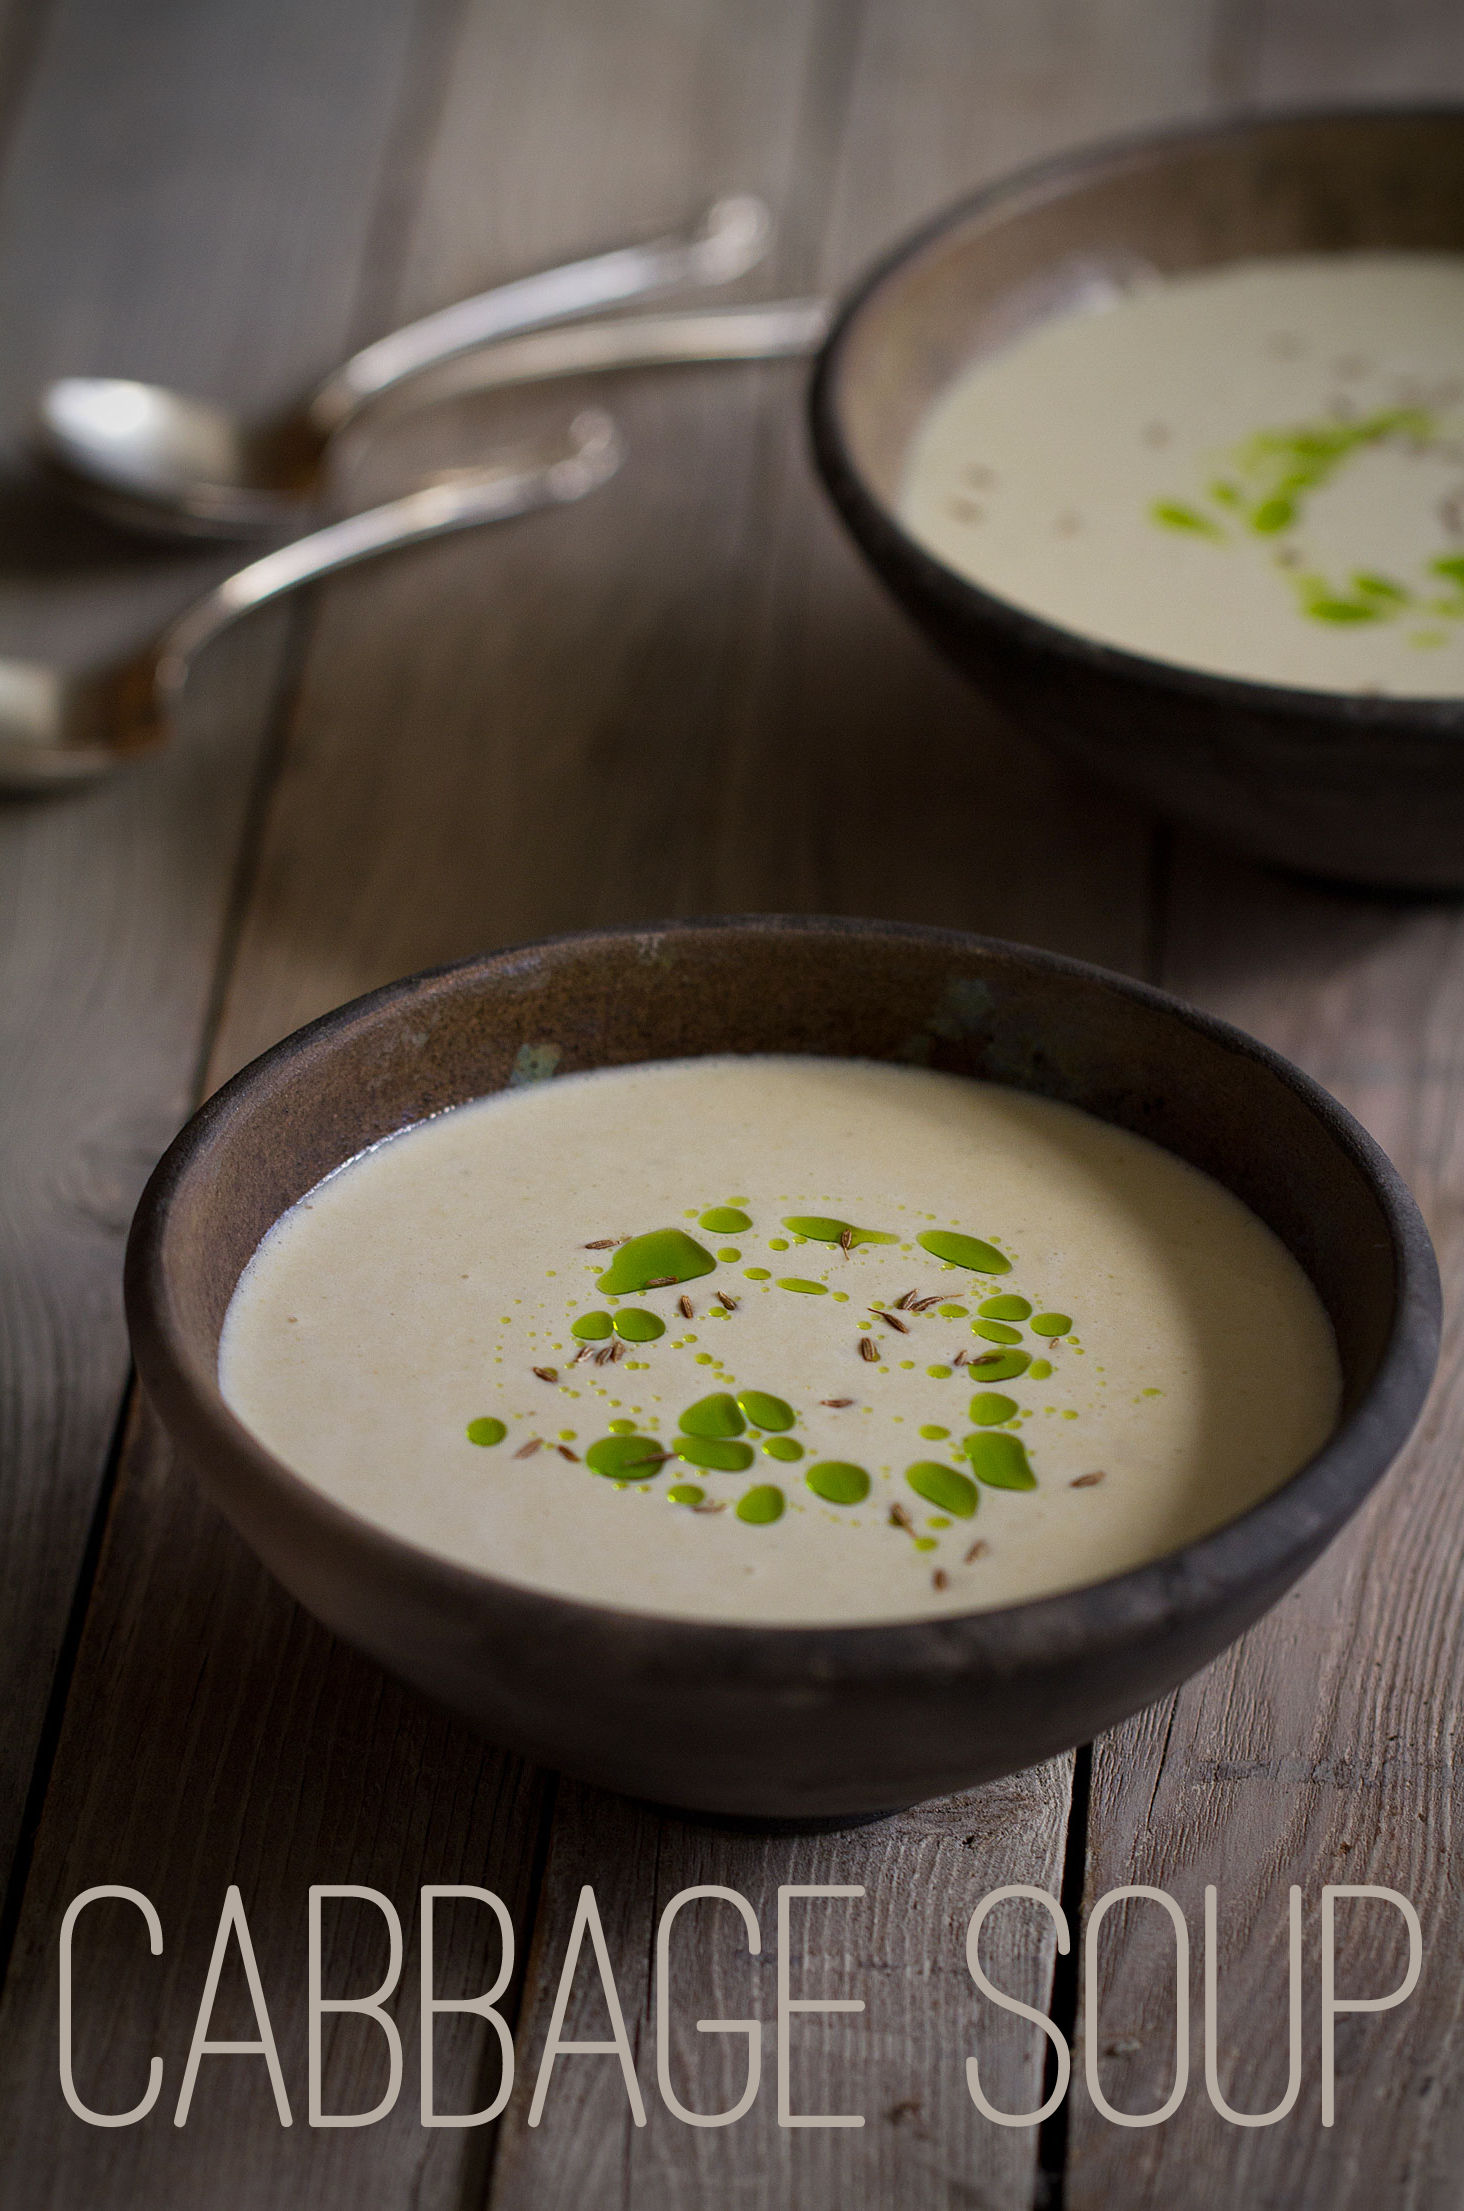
783 1722
1357 789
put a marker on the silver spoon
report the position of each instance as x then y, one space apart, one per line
157 460
58 729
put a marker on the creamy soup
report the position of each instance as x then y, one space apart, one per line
1258 472
781 1339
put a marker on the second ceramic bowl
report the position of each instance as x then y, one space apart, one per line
787 1722
1355 788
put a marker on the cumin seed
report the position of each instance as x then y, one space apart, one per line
868 1349
977 1550
905 1298
1087 1481
547 1374
527 1450
686 1308
729 1302
565 1453
710 1508
661 1282
899 1518
838 1403
846 1241
940 1579
891 1321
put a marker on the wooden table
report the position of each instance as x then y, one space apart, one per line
684 697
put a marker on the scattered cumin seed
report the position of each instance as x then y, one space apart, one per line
661 1282
868 1348
1087 1481
977 1550
729 1302
923 1304
603 1358
547 1374
899 1518
653 1458
846 1241
838 1403
940 1579
959 1359
891 1320
685 1307
582 1353
606 1243
565 1453
527 1450
906 1297
710 1508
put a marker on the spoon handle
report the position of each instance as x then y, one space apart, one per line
732 237
773 330
462 500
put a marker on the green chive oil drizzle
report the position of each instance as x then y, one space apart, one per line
963 1251
999 1366
1051 1324
760 1505
625 1458
999 1460
591 1327
714 1454
665 1257
783 1447
636 1325
486 1431
802 1285
725 1220
943 1486
717 1415
988 1408
685 1493
773 1413
820 1228
995 1331
837 1482
1006 1307
1039 1370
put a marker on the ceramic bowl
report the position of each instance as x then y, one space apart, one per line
782 1722
1358 789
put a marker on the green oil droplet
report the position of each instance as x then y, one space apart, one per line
1051 1324
725 1220
625 1458
765 1411
823 1229
999 1460
964 1251
591 1327
730 1254
999 1366
937 1520
995 1331
952 1312
783 1447
777 1243
761 1505
934 1433
714 1453
622 1427
1040 1369
1004 1308
486 1431
635 1325
684 1493
804 1288
926 1543
666 1255
713 1416
988 1407
837 1482
939 1374
757 1274
943 1486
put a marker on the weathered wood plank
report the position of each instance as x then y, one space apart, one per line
133 238
1317 1750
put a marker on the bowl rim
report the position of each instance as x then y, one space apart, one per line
1280 1535
1437 714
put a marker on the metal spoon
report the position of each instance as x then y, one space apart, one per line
58 729
157 460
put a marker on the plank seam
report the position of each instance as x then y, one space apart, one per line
1050 2179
